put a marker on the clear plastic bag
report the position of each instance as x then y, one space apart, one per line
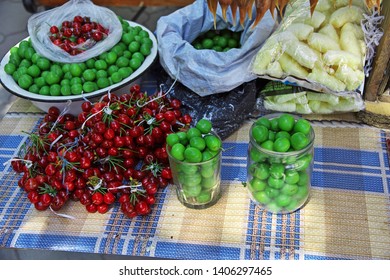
324 52
207 72
39 24
279 97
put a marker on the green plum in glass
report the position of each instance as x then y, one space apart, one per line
280 162
195 161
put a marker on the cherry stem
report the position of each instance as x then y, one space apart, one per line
91 116
37 142
180 123
154 167
64 111
96 185
151 100
108 110
108 95
151 121
83 96
132 187
47 189
55 141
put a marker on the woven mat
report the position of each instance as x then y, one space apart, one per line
347 216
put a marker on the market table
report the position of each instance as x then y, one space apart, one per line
347 216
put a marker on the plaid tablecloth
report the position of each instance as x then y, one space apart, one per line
347 216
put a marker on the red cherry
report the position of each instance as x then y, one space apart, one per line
175 104
69 125
113 151
77 33
78 19
54 29
67 32
150 199
82 117
119 141
102 208
86 28
17 166
106 144
100 28
40 206
97 198
86 106
31 185
109 198
57 42
142 152
97 138
97 36
109 134
66 23
33 196
142 208
91 208
151 188
46 199
85 163
165 126
41 179
50 170
148 140
166 173
100 127
170 117
101 152
80 183
85 199
66 47
159 117
70 186
73 133
129 162
187 119
57 203
162 182
157 134
76 25
135 88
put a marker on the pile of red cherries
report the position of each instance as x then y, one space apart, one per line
113 152
76 36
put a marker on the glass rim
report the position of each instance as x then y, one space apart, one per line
280 154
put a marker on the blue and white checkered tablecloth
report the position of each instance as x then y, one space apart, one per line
347 216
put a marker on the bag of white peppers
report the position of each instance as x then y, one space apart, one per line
328 52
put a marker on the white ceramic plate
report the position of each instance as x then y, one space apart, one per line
8 82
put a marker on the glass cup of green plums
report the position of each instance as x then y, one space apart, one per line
280 162
195 163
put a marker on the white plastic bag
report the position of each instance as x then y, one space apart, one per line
207 72
39 25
